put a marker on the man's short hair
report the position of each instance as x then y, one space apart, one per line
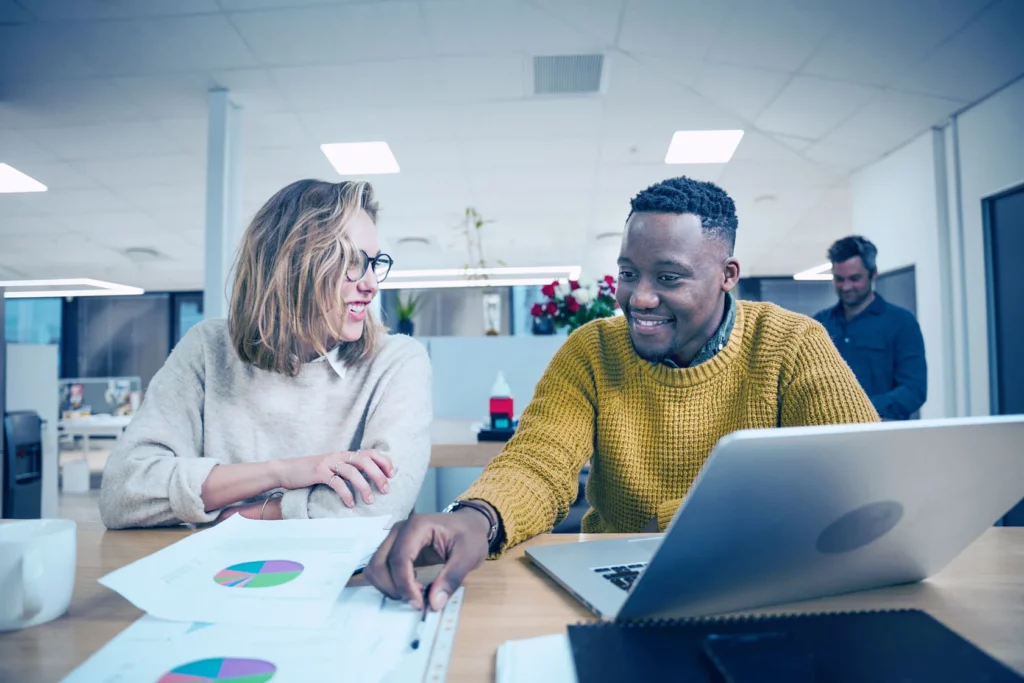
854 245
708 201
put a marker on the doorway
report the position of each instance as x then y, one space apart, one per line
1004 248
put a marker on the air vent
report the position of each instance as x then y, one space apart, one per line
413 242
567 74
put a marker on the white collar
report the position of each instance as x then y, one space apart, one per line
333 357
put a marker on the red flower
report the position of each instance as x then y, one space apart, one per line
609 280
548 291
572 304
551 308
611 290
537 311
574 285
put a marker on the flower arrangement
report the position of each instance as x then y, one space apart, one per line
570 304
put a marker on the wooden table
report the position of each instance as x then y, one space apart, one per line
980 595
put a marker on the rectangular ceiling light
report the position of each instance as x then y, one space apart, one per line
703 146
360 158
13 180
447 278
822 272
42 289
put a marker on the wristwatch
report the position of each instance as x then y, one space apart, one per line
492 533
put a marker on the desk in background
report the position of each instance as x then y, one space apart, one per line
979 596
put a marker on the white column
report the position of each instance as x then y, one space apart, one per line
223 200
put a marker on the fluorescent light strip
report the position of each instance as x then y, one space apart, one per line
13 180
703 146
452 284
815 273
360 158
99 288
571 272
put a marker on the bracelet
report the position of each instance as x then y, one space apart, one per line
492 533
273 495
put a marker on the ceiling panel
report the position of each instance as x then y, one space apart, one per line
283 129
57 176
104 142
653 27
17 149
320 88
424 123
890 120
40 52
329 34
841 158
743 92
172 44
480 78
12 13
984 56
75 201
811 107
597 19
459 27
249 5
69 10
174 169
577 116
877 41
750 35
483 153
54 104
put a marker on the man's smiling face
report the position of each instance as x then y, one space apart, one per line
673 277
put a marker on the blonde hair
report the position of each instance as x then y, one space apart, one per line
290 266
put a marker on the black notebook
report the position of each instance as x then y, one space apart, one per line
899 646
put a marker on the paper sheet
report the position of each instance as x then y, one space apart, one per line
547 658
248 572
365 639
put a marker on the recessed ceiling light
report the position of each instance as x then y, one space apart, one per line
13 180
703 146
360 158
822 272
40 289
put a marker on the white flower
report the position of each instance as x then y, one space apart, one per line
583 296
563 289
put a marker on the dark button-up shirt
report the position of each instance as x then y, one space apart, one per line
718 341
884 348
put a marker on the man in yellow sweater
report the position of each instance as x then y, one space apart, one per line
644 397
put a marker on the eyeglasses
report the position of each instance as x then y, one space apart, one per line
381 267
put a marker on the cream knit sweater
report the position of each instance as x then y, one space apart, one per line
207 407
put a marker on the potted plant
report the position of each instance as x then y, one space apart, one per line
406 311
570 304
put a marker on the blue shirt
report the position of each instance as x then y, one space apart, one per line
884 348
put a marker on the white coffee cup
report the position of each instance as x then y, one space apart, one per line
37 571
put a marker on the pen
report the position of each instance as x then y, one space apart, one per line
417 634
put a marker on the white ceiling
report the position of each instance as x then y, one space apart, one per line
104 101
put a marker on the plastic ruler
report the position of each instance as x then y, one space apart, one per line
444 640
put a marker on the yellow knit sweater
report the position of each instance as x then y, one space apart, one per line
648 428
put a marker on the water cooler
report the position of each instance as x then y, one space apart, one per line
23 465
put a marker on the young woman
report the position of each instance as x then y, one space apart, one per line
299 391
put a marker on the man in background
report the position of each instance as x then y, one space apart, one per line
881 342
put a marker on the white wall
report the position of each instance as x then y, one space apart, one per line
895 205
991 145
923 203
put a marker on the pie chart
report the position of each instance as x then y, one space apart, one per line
260 574
221 670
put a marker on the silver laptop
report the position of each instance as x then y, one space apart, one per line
779 515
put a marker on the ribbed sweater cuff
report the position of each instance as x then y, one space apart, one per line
524 512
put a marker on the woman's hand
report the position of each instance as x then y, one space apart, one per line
339 471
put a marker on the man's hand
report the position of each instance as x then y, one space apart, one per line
459 540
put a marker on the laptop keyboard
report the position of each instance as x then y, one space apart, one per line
622 576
